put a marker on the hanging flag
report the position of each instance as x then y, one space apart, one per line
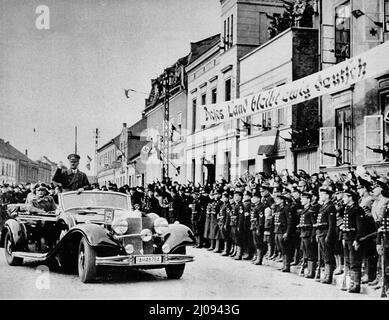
145 151
89 159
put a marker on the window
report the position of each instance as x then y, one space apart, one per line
224 33
267 120
327 144
214 95
344 133
193 170
342 32
232 32
373 137
228 34
227 90
194 102
386 15
203 102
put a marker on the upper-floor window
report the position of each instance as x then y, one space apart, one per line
194 103
342 32
386 15
214 95
203 102
227 90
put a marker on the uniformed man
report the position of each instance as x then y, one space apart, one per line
237 220
353 229
244 226
307 218
325 232
215 233
383 248
338 249
71 179
257 227
284 229
196 217
370 255
207 226
223 216
150 203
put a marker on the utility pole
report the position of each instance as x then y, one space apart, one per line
166 124
97 132
75 139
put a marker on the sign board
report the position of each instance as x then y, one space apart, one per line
371 63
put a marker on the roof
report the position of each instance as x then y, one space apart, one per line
116 141
135 146
200 47
9 151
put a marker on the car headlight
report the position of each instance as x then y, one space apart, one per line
146 235
129 248
165 248
161 226
120 226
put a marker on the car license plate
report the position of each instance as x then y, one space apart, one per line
148 260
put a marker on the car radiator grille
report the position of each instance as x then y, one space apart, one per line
135 228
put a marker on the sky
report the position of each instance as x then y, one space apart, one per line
74 73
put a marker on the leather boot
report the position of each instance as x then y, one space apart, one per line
328 272
227 248
355 286
238 255
246 255
258 260
217 246
286 267
233 251
311 269
303 265
212 246
339 269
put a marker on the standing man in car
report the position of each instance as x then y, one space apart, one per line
72 179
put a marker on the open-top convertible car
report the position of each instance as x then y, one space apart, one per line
92 229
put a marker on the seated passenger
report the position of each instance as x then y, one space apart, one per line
42 202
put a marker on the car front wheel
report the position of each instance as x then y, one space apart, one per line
86 262
175 271
9 249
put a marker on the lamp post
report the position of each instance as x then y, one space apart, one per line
166 79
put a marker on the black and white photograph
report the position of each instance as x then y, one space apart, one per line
194 150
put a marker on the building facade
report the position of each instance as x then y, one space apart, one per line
214 76
354 120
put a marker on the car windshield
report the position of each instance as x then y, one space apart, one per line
90 200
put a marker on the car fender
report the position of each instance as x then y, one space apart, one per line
68 219
17 230
179 235
96 235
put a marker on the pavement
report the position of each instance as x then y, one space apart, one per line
210 276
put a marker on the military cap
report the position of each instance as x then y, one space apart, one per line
247 193
307 195
327 189
266 186
351 193
257 193
381 184
5 185
73 156
238 191
385 193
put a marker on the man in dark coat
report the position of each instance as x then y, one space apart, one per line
247 243
325 228
237 216
257 226
71 179
353 229
307 218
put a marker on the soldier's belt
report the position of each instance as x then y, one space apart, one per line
277 223
348 229
320 224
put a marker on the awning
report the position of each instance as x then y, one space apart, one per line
268 142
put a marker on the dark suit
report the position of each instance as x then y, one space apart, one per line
307 218
71 181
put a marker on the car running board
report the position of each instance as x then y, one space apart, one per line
30 255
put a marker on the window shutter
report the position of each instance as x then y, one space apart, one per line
373 137
327 144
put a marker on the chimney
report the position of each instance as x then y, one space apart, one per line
124 125
26 153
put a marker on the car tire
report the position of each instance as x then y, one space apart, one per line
86 262
8 249
175 271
